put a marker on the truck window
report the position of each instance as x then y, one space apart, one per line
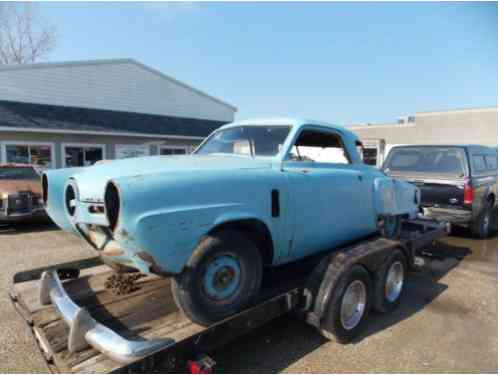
319 146
478 163
490 161
426 159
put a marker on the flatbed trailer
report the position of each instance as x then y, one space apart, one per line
148 312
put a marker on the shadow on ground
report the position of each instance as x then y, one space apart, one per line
276 346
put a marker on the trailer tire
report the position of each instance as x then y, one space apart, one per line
390 282
221 278
335 324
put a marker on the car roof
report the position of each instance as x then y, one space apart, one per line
463 145
287 121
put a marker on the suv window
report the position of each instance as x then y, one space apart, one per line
478 163
319 146
490 161
426 159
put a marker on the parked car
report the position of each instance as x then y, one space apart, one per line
458 182
20 193
254 194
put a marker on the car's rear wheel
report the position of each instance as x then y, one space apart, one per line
480 227
221 278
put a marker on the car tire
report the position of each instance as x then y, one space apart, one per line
342 323
222 277
481 225
391 228
390 282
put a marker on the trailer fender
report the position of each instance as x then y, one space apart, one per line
326 275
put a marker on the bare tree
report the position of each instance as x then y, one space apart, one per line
23 39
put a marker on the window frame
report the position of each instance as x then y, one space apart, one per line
80 145
4 144
323 130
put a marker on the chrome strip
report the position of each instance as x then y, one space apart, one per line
85 331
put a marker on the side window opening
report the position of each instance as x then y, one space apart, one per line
320 147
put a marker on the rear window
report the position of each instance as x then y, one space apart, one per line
444 160
18 173
490 161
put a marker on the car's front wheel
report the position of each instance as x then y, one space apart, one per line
222 277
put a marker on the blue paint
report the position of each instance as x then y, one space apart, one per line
168 203
213 283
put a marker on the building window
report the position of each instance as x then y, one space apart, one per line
81 155
37 154
370 156
173 150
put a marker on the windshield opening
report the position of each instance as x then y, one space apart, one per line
442 160
18 173
246 140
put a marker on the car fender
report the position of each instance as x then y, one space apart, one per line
395 197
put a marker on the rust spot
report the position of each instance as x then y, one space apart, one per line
153 266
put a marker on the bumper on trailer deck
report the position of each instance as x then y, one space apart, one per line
85 331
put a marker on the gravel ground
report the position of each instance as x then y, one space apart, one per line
447 321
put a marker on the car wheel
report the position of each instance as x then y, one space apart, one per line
391 228
348 306
481 225
390 282
222 277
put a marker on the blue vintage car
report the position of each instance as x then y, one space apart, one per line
254 193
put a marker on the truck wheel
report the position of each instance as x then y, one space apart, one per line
389 282
391 228
222 277
480 225
348 306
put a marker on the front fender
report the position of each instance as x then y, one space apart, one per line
169 236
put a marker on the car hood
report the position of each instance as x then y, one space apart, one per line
15 186
92 180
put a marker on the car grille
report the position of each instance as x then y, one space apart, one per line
20 202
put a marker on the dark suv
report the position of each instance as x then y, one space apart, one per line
458 182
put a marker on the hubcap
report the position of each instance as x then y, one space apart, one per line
394 281
353 304
222 277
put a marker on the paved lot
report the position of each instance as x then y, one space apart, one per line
447 321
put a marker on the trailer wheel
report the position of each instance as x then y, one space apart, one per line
222 277
391 228
390 282
348 306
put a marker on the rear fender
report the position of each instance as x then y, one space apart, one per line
395 197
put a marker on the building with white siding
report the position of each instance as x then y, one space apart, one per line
75 113
459 126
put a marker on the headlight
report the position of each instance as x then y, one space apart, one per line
5 195
70 198
44 189
112 205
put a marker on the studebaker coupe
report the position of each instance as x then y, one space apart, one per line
254 194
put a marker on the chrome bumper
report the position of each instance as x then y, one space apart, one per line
85 331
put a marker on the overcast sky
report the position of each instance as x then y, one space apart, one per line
339 62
